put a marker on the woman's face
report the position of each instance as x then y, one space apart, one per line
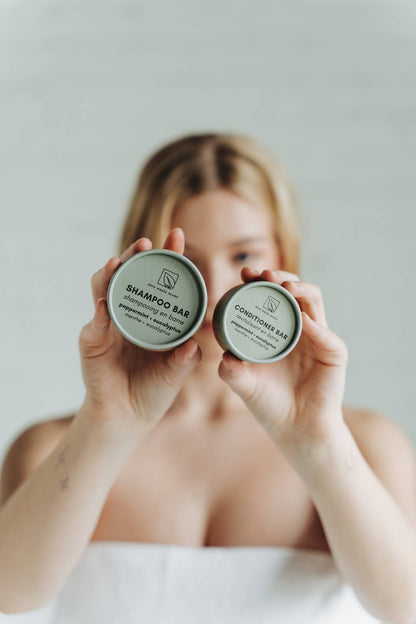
224 233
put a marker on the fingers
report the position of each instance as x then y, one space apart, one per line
175 241
101 279
322 343
251 275
141 244
308 296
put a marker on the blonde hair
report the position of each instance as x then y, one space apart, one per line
197 163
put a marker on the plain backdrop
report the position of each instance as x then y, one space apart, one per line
89 88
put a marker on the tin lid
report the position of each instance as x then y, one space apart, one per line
259 322
157 299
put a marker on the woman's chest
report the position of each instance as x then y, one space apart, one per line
218 487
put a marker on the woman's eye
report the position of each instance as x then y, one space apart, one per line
242 257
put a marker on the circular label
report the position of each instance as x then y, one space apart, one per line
260 322
157 298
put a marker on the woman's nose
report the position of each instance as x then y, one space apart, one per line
217 283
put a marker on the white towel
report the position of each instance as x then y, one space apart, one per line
126 583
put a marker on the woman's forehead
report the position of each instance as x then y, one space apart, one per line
223 215
236 242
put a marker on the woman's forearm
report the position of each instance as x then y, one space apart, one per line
47 522
371 540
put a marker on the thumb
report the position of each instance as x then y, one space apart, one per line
245 379
238 374
179 363
95 337
169 372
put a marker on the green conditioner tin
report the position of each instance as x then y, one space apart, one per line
259 322
157 299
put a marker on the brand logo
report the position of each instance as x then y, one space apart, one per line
271 304
168 279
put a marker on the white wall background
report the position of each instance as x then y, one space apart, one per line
89 88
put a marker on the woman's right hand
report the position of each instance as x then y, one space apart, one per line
126 384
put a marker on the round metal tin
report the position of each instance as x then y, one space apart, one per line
258 322
157 299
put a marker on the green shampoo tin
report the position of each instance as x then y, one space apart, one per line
157 299
258 322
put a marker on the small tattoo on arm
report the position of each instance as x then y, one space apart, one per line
61 461
61 458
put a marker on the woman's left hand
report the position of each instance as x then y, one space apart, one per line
299 397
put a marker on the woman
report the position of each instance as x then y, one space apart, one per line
193 447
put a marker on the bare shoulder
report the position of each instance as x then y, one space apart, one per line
376 434
30 448
389 452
